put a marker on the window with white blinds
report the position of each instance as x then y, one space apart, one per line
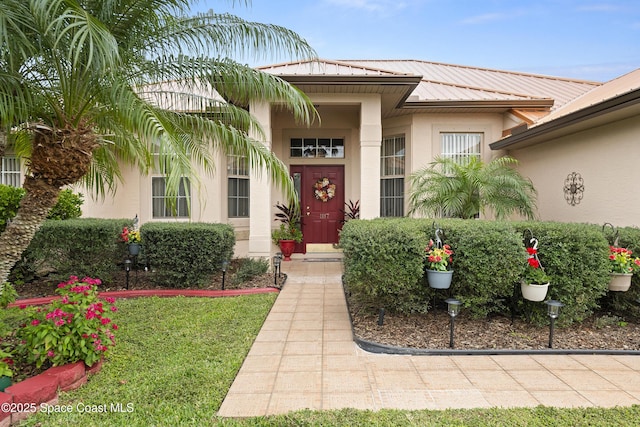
162 206
237 187
460 147
10 173
392 160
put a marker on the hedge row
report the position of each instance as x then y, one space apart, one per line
182 255
81 247
179 254
384 265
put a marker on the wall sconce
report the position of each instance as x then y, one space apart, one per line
453 308
553 310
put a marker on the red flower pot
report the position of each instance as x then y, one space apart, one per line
287 246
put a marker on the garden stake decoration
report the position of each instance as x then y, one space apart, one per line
616 234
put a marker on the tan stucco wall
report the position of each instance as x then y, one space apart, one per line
422 132
133 197
124 204
606 157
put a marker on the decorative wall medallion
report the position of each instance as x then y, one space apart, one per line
324 190
573 188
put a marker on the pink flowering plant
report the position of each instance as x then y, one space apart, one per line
75 327
621 261
438 259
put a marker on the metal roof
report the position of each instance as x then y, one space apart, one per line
615 100
444 85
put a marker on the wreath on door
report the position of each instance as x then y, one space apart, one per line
324 190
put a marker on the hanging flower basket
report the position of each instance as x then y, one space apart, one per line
535 283
134 249
622 266
324 190
439 279
620 282
532 292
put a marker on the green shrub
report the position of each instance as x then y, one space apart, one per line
9 200
82 247
384 265
186 254
67 206
383 261
489 259
248 269
626 302
576 258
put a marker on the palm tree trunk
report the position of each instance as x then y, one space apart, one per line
40 197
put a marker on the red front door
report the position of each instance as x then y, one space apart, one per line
321 201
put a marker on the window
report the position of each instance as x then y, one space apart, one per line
317 147
237 187
162 206
461 147
10 173
392 176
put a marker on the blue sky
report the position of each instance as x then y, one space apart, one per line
584 39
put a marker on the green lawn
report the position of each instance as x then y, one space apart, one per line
177 357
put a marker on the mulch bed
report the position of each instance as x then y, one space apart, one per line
601 331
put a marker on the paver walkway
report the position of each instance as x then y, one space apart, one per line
304 357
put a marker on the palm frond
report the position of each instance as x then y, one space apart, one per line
465 190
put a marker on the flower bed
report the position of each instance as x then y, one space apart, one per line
33 394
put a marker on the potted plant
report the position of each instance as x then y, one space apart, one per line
439 259
535 281
5 369
289 232
133 239
622 266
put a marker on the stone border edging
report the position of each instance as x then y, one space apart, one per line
28 396
157 293
377 348
44 388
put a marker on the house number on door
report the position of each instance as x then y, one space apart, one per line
324 216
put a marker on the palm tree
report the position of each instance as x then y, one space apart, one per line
447 187
80 95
